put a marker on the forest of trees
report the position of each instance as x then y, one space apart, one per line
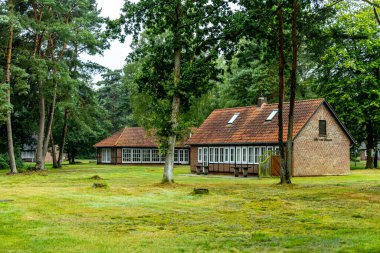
189 58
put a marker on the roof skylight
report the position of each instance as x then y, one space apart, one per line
271 116
233 118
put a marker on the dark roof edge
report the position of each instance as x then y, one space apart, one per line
233 143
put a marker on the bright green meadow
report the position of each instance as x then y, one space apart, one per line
60 211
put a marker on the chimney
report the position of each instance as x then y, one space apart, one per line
262 100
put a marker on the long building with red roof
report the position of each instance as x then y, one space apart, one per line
241 138
135 145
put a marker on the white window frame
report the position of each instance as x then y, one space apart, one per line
211 153
143 152
206 154
186 156
156 155
200 155
138 156
106 155
216 155
232 155
124 155
238 155
270 148
276 150
226 154
244 150
263 150
271 116
233 118
176 156
221 155
251 155
256 155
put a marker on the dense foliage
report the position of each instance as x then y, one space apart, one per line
189 57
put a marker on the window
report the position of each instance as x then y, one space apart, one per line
186 156
277 150
238 155
244 155
145 155
271 116
155 156
212 155
176 155
257 155
126 155
262 153
270 150
162 158
106 155
250 155
221 158
232 155
226 154
205 155
216 154
234 117
200 155
136 155
322 128
180 155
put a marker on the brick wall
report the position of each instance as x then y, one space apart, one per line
314 155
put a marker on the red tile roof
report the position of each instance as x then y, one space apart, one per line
131 137
251 125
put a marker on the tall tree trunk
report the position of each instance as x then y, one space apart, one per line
169 159
53 153
63 138
12 160
40 158
293 88
281 91
50 123
375 157
370 146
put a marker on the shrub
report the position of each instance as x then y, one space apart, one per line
4 161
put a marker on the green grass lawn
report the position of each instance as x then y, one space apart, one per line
59 211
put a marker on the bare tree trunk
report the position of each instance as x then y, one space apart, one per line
293 88
12 160
169 159
281 91
40 158
53 153
370 146
63 139
50 123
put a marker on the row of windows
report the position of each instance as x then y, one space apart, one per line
131 155
244 155
135 155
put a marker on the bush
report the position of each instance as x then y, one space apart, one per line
4 162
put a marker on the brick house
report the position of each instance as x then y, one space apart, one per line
243 136
134 145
